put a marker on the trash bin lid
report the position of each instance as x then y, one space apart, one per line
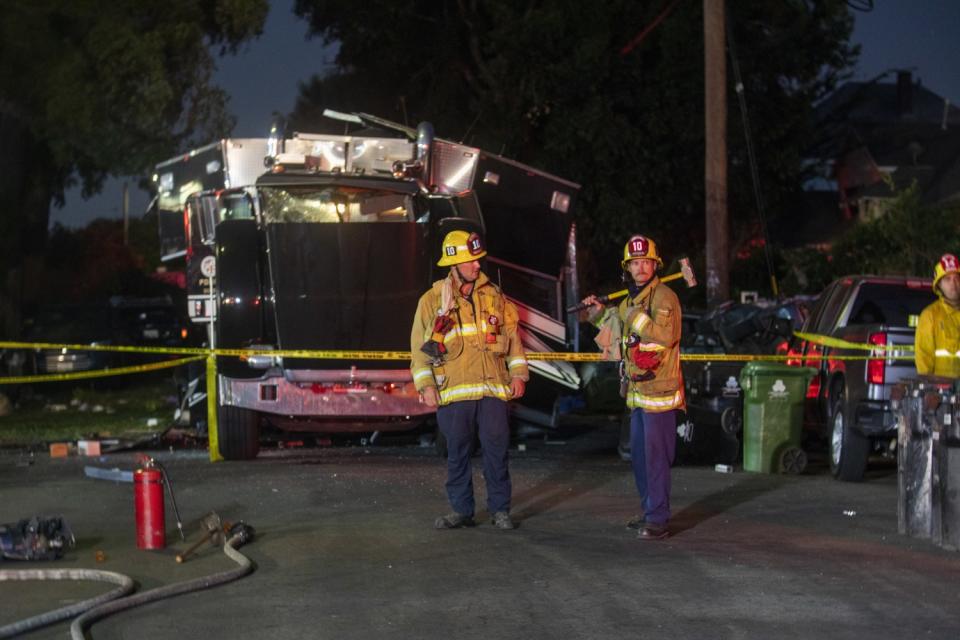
760 367
757 368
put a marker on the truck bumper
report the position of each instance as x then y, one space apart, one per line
875 419
305 393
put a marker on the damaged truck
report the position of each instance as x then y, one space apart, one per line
326 242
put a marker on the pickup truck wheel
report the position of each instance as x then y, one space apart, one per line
238 433
849 448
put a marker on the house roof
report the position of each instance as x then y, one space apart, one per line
885 102
924 154
901 126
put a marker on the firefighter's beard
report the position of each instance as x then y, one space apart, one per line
464 283
638 284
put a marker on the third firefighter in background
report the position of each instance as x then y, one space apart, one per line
938 330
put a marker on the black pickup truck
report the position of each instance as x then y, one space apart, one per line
848 402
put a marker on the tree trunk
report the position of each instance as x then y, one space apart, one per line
26 190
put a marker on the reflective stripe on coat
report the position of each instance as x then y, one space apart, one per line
937 347
472 367
653 316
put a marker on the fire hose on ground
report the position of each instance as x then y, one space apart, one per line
124 584
116 600
241 536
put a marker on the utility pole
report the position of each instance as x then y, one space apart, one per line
715 119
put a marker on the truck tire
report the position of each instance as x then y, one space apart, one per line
849 449
238 433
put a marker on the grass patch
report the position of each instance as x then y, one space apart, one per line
58 412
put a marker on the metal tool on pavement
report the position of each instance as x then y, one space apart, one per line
214 529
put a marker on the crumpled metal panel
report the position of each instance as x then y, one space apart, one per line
929 463
454 166
950 496
349 154
915 471
300 399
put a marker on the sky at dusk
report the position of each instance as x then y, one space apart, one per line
919 35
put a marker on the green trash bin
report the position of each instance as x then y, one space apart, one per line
773 416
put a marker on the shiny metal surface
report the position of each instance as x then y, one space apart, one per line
323 400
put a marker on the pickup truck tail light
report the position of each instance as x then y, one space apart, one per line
877 366
794 358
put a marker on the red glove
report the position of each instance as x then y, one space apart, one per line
434 347
646 360
442 324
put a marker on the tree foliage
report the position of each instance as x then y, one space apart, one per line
907 239
109 87
89 89
549 83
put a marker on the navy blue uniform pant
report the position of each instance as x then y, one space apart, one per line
460 422
653 443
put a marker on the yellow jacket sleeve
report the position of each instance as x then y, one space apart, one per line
420 365
924 344
516 357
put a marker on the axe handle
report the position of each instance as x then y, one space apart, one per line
601 299
610 297
182 557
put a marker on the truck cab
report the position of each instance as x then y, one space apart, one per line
330 248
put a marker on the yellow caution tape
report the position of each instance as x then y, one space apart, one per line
329 354
342 354
548 356
827 341
332 354
100 373
210 355
727 357
339 354
105 347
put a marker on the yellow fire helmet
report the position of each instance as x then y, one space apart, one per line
459 247
640 247
948 264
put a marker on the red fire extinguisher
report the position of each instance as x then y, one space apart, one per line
148 505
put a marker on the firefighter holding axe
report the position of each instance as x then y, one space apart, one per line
643 332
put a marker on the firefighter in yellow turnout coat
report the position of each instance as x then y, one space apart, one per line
467 360
938 330
644 333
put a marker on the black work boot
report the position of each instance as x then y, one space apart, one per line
651 531
453 521
636 523
501 520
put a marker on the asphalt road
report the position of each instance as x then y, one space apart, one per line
346 549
